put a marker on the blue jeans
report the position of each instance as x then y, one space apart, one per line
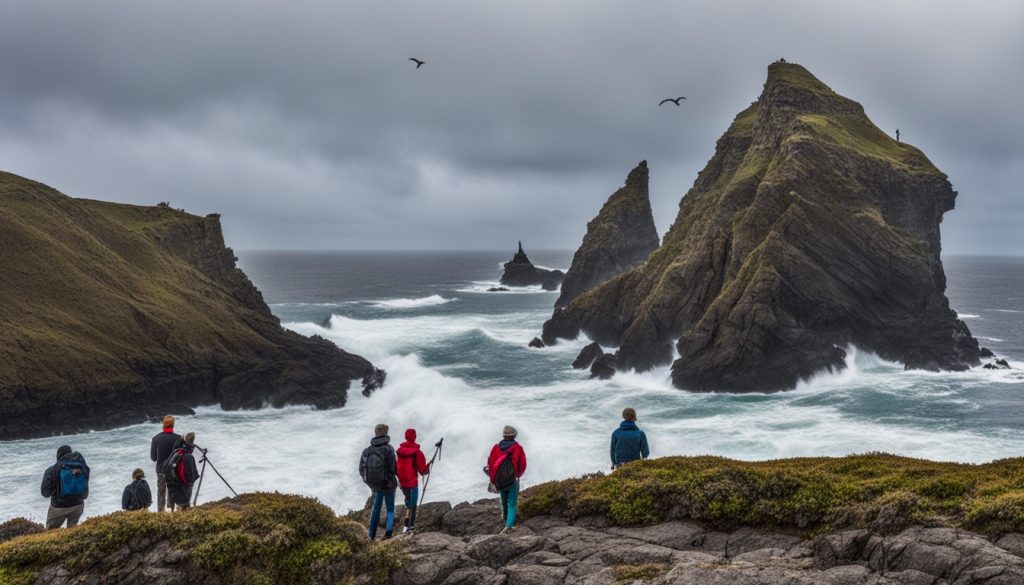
509 499
412 495
389 501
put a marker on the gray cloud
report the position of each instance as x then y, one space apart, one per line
306 127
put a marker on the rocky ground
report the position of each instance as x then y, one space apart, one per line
459 546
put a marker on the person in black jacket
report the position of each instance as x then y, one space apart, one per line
379 469
159 450
69 473
179 490
136 495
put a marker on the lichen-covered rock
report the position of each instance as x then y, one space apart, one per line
618 239
808 231
115 314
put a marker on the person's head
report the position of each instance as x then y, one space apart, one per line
168 422
138 474
410 435
190 438
380 430
509 432
629 414
63 450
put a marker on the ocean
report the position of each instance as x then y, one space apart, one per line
459 368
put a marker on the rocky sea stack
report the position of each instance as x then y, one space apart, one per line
808 231
519 271
115 314
618 239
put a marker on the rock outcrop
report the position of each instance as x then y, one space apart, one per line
461 547
618 239
808 231
519 271
116 314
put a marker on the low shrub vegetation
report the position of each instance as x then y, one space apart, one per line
254 538
878 491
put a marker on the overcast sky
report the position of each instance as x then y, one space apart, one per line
305 125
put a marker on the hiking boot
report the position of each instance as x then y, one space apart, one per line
387 536
508 530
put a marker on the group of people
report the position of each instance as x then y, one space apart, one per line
66 482
385 470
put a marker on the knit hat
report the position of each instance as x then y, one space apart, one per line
410 435
380 430
138 474
168 422
63 450
509 432
190 438
629 414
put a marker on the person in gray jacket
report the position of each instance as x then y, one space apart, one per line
66 483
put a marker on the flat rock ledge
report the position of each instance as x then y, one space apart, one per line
459 546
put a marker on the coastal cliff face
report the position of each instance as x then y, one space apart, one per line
519 271
115 314
809 230
618 239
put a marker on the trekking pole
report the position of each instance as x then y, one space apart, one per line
430 465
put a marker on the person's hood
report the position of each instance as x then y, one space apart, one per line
409 447
506 444
628 425
381 440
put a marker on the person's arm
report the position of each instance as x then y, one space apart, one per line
146 495
47 488
612 453
362 465
88 472
152 449
126 497
421 462
521 467
644 449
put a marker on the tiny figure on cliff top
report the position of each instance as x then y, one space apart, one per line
136 495
66 483
629 443
505 465
160 449
378 466
897 135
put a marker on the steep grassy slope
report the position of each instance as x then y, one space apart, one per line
114 313
808 230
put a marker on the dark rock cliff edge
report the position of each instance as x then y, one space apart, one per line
519 271
809 230
114 314
618 239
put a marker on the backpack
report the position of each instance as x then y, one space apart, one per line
72 478
174 468
375 470
505 476
133 497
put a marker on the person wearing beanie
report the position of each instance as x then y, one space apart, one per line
180 473
136 495
505 465
378 467
629 443
160 449
412 463
66 483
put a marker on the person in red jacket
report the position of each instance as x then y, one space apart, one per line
412 463
505 465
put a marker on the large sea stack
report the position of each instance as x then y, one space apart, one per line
618 239
519 271
808 231
114 314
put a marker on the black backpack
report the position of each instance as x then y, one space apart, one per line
505 476
375 469
133 497
170 470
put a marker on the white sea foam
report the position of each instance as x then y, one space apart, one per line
1007 311
996 339
485 286
416 303
968 316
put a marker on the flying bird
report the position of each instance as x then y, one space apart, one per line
674 101
417 61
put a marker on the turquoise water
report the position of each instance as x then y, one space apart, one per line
458 367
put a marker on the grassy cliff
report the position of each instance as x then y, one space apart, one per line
811 495
115 313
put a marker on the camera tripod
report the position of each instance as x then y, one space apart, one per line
204 460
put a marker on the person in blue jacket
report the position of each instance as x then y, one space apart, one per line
629 443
